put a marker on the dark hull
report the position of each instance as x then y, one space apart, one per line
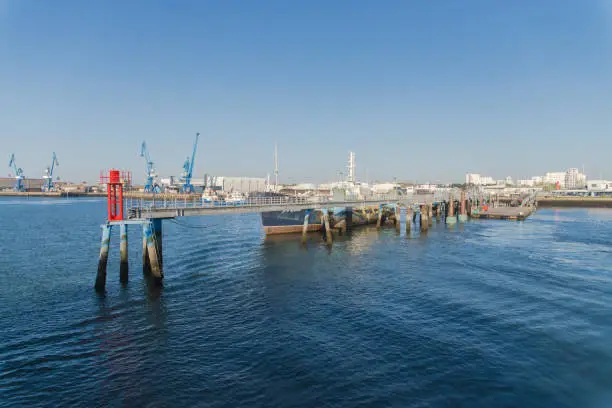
284 222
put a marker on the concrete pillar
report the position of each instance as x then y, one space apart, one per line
102 262
154 248
305 227
408 220
328 232
123 250
379 221
348 212
146 262
451 219
397 219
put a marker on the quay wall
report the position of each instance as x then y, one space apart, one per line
576 202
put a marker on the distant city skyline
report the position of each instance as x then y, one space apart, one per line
421 91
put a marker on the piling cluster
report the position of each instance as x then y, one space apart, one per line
152 251
419 216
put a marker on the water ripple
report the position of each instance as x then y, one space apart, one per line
485 314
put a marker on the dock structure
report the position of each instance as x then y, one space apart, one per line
149 214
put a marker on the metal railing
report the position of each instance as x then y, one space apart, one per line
144 207
196 201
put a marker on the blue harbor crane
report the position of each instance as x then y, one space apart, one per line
188 169
49 185
150 186
18 174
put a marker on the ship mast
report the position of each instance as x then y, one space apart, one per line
275 168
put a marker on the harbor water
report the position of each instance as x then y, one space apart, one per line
486 314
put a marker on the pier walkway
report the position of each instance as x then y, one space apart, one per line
159 209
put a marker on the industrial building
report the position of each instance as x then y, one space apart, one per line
478 180
34 185
238 184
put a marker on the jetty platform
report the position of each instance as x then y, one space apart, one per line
505 213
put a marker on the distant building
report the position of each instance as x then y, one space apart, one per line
305 186
478 180
472 178
509 181
240 184
554 178
574 179
384 188
526 183
7 183
487 181
599 185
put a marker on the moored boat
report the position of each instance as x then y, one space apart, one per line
284 222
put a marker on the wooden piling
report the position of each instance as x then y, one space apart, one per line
103 261
146 262
398 225
430 214
305 227
424 220
451 219
328 232
123 254
157 225
408 220
462 208
348 213
153 234
379 221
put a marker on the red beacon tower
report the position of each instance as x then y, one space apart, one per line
115 180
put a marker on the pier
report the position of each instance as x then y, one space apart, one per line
148 213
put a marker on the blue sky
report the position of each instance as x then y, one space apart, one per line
419 90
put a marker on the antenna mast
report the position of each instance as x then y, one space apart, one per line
351 167
275 168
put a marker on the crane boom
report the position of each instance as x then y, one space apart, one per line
149 186
12 163
195 147
188 168
48 186
18 174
